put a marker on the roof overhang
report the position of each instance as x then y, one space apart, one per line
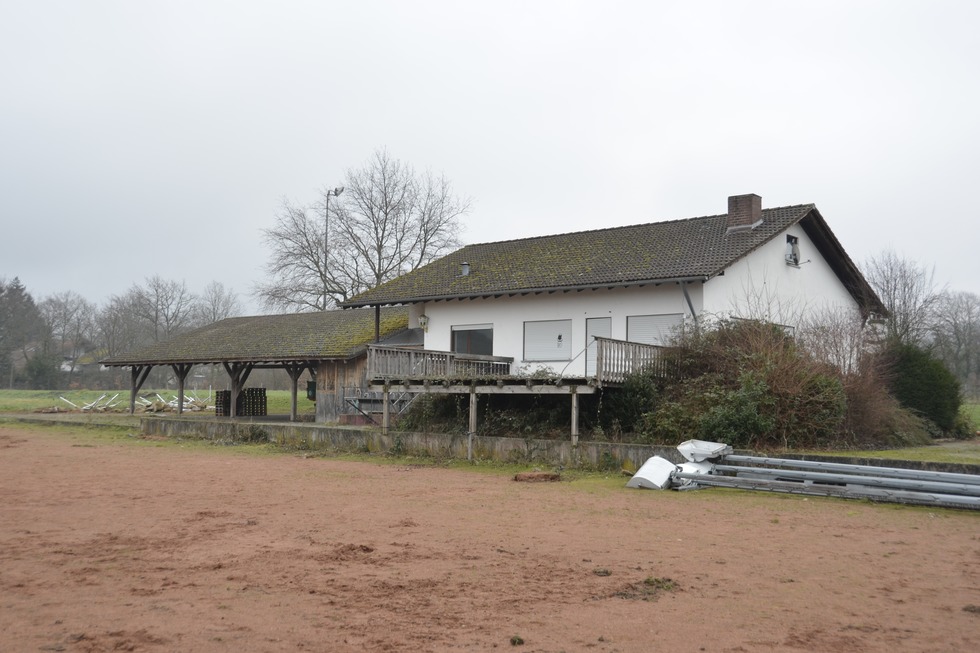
847 271
513 292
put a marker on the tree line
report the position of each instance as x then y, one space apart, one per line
43 343
387 219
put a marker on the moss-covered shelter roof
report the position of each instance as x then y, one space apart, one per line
690 249
324 335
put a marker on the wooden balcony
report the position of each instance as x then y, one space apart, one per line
617 359
404 363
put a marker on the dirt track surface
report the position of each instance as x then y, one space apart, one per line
108 546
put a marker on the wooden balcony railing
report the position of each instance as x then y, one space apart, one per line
405 363
617 359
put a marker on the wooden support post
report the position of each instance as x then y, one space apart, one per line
385 410
472 431
181 370
574 417
295 371
138 374
238 373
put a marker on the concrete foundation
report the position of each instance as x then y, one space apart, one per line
605 455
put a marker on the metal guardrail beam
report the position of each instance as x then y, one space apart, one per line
917 485
873 470
850 492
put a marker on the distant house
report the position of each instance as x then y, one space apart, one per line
328 345
543 301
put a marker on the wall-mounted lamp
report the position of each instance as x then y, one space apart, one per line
424 322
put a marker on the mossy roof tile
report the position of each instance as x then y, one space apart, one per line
325 335
691 248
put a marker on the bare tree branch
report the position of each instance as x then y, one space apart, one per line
388 221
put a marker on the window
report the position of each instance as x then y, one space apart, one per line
548 340
652 329
792 250
473 339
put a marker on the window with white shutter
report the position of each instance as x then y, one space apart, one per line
548 340
652 329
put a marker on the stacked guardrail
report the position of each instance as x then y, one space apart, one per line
713 464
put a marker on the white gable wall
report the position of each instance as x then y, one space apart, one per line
763 286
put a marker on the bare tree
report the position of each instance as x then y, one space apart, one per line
71 319
216 303
299 278
956 336
388 221
117 326
163 306
908 291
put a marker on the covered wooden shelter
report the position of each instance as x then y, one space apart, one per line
331 345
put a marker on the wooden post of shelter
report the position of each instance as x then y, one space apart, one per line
385 409
138 375
472 427
238 373
181 370
294 370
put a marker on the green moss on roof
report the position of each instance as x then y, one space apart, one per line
691 248
326 335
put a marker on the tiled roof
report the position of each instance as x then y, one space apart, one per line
695 248
339 334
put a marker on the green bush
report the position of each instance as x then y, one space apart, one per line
922 383
747 384
738 415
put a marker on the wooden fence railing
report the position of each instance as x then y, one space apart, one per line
617 359
404 363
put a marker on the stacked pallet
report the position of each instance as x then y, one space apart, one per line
252 402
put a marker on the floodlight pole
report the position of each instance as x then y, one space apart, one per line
326 236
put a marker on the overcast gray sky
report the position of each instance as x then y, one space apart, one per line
146 138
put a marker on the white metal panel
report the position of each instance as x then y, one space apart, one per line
652 329
548 340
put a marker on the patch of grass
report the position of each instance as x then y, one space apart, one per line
648 589
665 584
972 412
960 451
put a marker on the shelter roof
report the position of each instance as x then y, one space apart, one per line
323 335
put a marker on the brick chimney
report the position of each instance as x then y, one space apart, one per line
744 211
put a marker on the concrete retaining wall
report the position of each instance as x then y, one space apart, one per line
603 455
607 455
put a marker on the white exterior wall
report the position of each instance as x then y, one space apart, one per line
508 314
763 286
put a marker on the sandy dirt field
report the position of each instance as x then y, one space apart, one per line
107 545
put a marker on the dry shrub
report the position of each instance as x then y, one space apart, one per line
749 384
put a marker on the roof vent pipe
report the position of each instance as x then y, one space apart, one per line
464 269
